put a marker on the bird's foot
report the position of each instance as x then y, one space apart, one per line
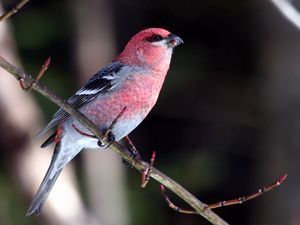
135 155
132 150
83 133
109 137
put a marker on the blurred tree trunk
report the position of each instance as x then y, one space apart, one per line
280 151
103 169
21 155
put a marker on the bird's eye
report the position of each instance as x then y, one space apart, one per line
154 38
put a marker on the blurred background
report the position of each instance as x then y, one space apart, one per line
227 121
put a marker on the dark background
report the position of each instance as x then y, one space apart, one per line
227 120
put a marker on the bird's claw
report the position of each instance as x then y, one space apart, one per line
109 137
24 86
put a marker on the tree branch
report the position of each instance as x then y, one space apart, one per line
13 10
140 165
288 11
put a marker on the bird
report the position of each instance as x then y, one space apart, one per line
132 81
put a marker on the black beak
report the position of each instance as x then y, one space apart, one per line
174 40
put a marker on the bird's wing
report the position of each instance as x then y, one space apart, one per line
102 82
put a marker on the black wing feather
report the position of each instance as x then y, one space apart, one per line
101 82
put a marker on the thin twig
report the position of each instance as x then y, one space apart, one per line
13 10
138 164
235 201
43 68
147 173
132 148
256 194
172 205
38 77
288 11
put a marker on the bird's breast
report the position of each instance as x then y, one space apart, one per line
138 94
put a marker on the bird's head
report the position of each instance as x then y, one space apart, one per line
151 47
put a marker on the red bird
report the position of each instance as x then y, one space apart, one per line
133 80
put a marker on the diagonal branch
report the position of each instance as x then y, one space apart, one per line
140 165
288 11
13 10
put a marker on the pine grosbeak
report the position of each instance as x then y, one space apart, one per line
133 80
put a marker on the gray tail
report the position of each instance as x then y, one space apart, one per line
44 189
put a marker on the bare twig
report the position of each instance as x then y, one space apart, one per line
38 77
172 205
13 10
147 173
199 207
256 194
132 148
43 68
288 11
235 201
